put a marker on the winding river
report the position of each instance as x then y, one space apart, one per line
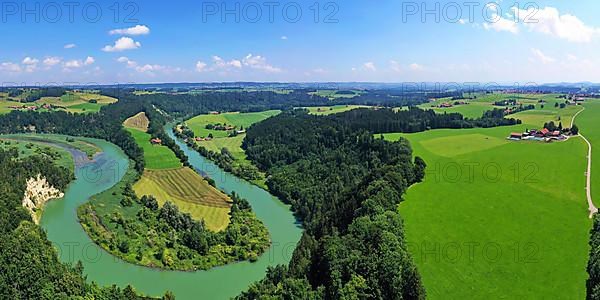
106 169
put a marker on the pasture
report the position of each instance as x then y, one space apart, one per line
499 219
157 157
75 102
198 123
190 192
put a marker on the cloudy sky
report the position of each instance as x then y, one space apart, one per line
382 41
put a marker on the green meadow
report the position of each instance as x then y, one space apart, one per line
501 219
587 122
221 139
157 157
198 123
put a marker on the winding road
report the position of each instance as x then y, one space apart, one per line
592 208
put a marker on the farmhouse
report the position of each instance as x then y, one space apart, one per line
214 113
156 141
445 105
544 135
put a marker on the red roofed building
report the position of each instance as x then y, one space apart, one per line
156 141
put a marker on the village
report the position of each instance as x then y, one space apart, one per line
32 107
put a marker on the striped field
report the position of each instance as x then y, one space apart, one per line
190 192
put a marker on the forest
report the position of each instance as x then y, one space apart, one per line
353 246
415 119
29 264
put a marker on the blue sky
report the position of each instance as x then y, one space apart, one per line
383 41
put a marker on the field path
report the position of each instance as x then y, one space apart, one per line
593 209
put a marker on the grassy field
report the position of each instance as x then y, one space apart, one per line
198 123
221 139
157 157
484 102
75 102
190 192
328 110
333 94
587 122
500 219
139 121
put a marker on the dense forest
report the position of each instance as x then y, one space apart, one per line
187 105
593 267
415 120
345 185
29 264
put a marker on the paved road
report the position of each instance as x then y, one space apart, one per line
593 209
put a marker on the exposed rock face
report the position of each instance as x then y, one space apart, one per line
37 193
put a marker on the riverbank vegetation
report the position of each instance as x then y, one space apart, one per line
140 231
59 156
205 134
189 192
344 184
29 264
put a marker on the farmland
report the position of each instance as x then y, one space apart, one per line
198 123
328 110
157 157
484 102
190 192
510 216
75 102
334 94
237 162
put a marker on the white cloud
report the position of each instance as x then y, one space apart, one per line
499 23
369 66
462 21
284 37
571 57
71 64
10 67
30 61
70 46
260 63
395 66
122 44
127 61
549 21
51 61
219 63
201 66
540 56
149 69
30 64
416 67
89 60
136 30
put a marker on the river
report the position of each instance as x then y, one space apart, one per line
106 169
